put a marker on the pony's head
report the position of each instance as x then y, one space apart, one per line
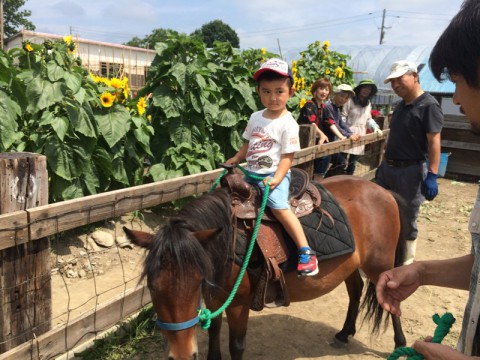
184 258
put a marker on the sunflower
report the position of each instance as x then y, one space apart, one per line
116 83
67 39
339 72
27 46
107 99
141 105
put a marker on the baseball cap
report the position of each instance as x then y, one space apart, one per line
276 65
344 87
400 68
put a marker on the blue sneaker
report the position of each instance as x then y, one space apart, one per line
307 262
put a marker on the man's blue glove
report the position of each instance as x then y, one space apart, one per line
430 186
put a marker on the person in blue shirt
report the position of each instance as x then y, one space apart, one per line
336 127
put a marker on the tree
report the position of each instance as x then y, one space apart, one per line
14 19
149 41
217 30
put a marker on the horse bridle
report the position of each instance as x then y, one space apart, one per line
186 324
178 326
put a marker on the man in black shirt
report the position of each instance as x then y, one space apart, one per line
414 138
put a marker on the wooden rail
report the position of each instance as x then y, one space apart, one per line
32 224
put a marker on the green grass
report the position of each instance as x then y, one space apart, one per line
134 339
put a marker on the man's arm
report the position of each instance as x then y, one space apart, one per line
395 285
452 273
434 148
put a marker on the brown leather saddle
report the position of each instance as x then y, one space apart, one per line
246 200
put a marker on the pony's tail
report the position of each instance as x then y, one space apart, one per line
373 311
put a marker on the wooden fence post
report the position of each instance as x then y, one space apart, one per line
25 282
307 139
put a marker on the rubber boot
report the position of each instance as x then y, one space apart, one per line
410 251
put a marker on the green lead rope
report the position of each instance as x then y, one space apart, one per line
444 324
206 315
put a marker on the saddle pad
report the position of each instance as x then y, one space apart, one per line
329 241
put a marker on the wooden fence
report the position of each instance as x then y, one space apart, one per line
463 148
31 225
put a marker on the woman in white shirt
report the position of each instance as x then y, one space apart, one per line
357 114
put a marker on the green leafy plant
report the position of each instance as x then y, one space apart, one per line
316 62
11 98
201 101
95 136
187 119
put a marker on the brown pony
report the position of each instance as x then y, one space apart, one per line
191 258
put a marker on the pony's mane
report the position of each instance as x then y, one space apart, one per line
176 247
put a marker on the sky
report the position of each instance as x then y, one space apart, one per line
281 26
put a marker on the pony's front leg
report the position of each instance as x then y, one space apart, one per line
237 317
214 352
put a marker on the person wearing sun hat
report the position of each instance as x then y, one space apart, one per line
335 128
414 138
357 113
332 122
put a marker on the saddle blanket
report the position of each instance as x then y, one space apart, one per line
328 238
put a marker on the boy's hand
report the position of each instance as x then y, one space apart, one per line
273 182
232 161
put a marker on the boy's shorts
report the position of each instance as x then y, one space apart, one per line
278 197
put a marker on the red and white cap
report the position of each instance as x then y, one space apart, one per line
276 65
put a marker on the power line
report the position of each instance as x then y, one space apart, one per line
419 13
99 32
303 28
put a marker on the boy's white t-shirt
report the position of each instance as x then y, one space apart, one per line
268 140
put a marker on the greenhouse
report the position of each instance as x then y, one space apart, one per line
374 62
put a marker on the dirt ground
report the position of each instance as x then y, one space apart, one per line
304 330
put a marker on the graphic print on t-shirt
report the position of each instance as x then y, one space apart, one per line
260 142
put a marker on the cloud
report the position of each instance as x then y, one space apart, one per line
68 9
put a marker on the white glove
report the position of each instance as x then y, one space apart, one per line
378 131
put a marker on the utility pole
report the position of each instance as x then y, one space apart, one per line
382 29
279 48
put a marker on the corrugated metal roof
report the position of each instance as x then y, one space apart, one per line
374 62
430 84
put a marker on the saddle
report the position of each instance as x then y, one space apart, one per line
303 196
246 200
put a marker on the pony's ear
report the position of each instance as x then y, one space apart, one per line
204 235
139 238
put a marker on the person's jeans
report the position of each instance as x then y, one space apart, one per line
349 161
320 165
